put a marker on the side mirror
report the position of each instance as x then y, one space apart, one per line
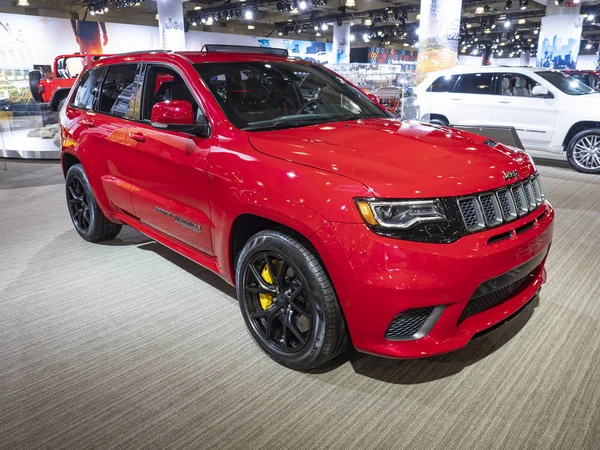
541 91
178 115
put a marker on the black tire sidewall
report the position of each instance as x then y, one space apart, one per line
438 122
571 148
280 244
76 171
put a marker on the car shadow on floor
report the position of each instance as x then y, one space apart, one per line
417 371
191 267
131 237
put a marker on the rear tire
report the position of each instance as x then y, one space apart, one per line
288 302
35 76
87 218
583 151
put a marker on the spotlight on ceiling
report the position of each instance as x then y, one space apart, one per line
524 4
508 4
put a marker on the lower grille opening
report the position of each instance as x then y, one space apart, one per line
500 237
498 290
408 323
525 227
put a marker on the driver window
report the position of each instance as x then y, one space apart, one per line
164 84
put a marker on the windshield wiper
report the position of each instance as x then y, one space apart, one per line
282 125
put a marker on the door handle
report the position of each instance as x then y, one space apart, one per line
88 123
455 98
137 137
503 101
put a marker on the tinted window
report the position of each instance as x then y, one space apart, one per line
267 95
515 85
566 83
443 84
87 90
121 90
164 84
588 80
474 83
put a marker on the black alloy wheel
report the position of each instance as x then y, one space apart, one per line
279 303
87 217
288 302
78 205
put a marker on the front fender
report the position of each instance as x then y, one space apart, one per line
291 214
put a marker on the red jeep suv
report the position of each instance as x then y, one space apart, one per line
335 221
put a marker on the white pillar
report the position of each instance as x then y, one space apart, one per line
340 48
439 33
170 24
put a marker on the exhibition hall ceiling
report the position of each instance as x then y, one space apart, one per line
385 22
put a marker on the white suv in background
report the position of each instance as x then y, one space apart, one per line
550 110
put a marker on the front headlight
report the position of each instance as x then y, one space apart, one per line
402 214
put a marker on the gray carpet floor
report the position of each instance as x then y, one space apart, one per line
127 345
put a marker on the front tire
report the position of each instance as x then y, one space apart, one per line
440 121
288 302
85 213
583 151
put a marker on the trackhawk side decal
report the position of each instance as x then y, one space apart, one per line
184 223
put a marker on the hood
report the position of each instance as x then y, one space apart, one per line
398 159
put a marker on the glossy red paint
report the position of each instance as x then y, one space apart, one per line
307 179
173 112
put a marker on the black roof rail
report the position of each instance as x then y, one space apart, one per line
214 48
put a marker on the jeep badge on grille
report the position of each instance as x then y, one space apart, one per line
513 174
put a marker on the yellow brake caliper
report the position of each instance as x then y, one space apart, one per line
266 300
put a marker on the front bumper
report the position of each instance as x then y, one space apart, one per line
377 278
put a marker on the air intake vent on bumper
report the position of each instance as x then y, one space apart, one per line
408 323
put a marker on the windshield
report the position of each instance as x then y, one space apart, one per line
566 83
276 95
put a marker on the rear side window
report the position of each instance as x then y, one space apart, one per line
87 90
121 91
443 84
475 83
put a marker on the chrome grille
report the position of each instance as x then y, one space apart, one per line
507 204
529 195
520 201
491 209
471 213
494 208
